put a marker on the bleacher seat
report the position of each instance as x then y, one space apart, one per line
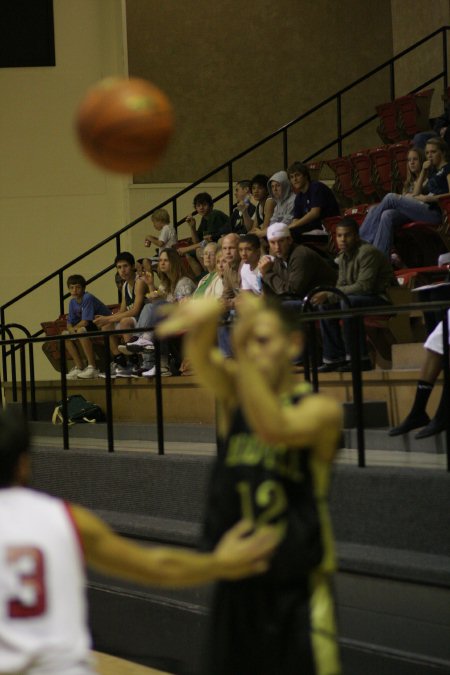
405 116
399 153
362 164
344 187
388 128
382 169
414 112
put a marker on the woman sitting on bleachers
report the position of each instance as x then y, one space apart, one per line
421 204
174 286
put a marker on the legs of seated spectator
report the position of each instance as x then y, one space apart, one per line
72 351
337 345
379 224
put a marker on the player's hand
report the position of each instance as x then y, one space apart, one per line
188 315
243 552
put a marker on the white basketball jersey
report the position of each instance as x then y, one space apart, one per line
43 622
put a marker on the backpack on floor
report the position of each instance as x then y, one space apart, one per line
78 410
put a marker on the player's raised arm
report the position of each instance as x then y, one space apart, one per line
197 319
238 554
264 349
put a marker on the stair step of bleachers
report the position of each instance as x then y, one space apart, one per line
407 356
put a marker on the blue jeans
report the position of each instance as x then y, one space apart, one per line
380 223
337 344
149 318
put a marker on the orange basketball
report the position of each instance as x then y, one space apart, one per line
124 124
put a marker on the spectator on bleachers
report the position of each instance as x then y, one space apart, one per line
174 286
83 307
292 269
422 204
231 288
414 162
132 302
314 201
167 237
364 277
280 190
231 279
264 205
209 262
244 210
429 372
250 253
213 225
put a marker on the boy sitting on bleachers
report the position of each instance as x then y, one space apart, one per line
83 307
167 237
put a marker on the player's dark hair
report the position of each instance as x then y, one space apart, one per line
350 223
203 198
76 279
14 442
125 257
252 239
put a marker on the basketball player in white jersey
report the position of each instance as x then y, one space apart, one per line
44 544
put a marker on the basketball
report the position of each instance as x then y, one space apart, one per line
124 124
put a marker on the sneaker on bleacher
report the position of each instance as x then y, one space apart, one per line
165 372
140 345
73 373
89 373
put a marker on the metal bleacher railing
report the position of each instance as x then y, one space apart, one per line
308 317
9 345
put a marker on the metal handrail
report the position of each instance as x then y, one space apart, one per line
356 314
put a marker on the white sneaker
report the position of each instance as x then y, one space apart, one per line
165 372
140 345
89 373
73 373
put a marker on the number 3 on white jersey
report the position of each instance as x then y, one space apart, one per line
27 565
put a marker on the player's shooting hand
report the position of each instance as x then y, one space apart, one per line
188 315
243 552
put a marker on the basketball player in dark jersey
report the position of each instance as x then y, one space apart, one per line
278 445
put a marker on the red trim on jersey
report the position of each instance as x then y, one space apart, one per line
76 529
